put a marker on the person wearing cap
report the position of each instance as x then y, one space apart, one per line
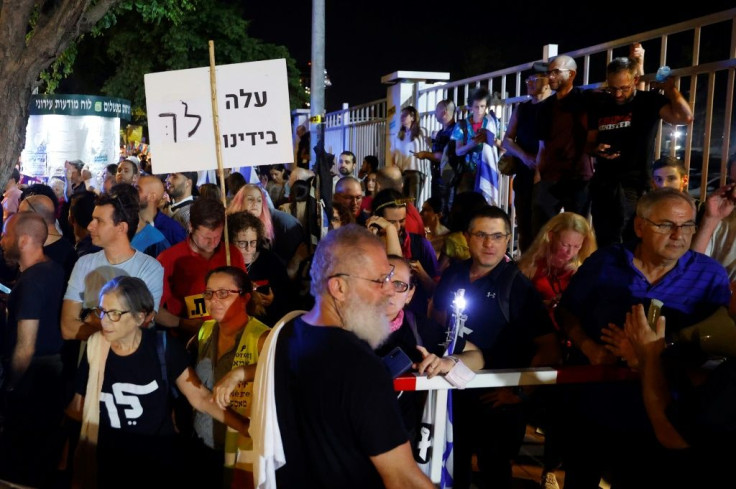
181 188
74 178
564 167
521 141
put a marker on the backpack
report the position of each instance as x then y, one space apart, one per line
507 278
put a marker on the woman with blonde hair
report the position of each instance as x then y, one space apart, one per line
561 246
558 250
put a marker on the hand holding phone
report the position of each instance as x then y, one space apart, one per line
397 362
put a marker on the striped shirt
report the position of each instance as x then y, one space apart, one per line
608 284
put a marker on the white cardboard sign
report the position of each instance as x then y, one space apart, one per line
253 111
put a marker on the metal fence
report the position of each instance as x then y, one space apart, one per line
360 129
701 53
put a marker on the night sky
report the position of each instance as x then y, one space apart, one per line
366 40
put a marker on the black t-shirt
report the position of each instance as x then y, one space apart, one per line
37 295
432 336
504 344
336 408
269 271
136 427
630 130
62 252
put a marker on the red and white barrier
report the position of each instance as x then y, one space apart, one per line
504 378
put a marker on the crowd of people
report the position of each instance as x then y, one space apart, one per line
159 332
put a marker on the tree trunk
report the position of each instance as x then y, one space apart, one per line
26 53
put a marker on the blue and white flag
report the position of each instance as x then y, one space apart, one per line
488 178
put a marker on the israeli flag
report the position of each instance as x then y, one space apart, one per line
488 178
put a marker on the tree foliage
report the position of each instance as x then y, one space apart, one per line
33 36
134 47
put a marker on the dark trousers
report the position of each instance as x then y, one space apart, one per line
32 436
549 198
523 186
613 207
414 181
607 434
495 435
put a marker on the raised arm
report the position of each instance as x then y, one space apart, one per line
649 345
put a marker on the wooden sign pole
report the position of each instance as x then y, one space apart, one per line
216 122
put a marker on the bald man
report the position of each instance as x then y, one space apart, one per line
151 191
57 249
32 355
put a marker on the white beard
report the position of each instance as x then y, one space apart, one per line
367 321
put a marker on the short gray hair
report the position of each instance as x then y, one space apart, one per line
343 247
650 199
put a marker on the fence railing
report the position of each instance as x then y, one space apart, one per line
360 129
701 53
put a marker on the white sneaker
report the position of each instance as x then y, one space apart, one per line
549 481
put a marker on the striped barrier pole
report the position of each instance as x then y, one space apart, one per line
504 378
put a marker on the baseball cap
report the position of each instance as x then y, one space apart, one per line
541 66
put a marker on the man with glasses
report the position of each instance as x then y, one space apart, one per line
186 264
328 381
592 311
114 223
621 137
349 193
564 167
508 322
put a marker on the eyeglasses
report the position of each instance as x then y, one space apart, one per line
246 244
494 237
557 71
615 90
687 229
400 286
383 280
219 293
112 315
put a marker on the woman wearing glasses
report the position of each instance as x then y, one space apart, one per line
232 338
123 395
283 231
411 332
265 270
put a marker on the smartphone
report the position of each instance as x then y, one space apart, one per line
397 362
655 310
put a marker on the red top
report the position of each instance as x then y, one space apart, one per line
184 272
